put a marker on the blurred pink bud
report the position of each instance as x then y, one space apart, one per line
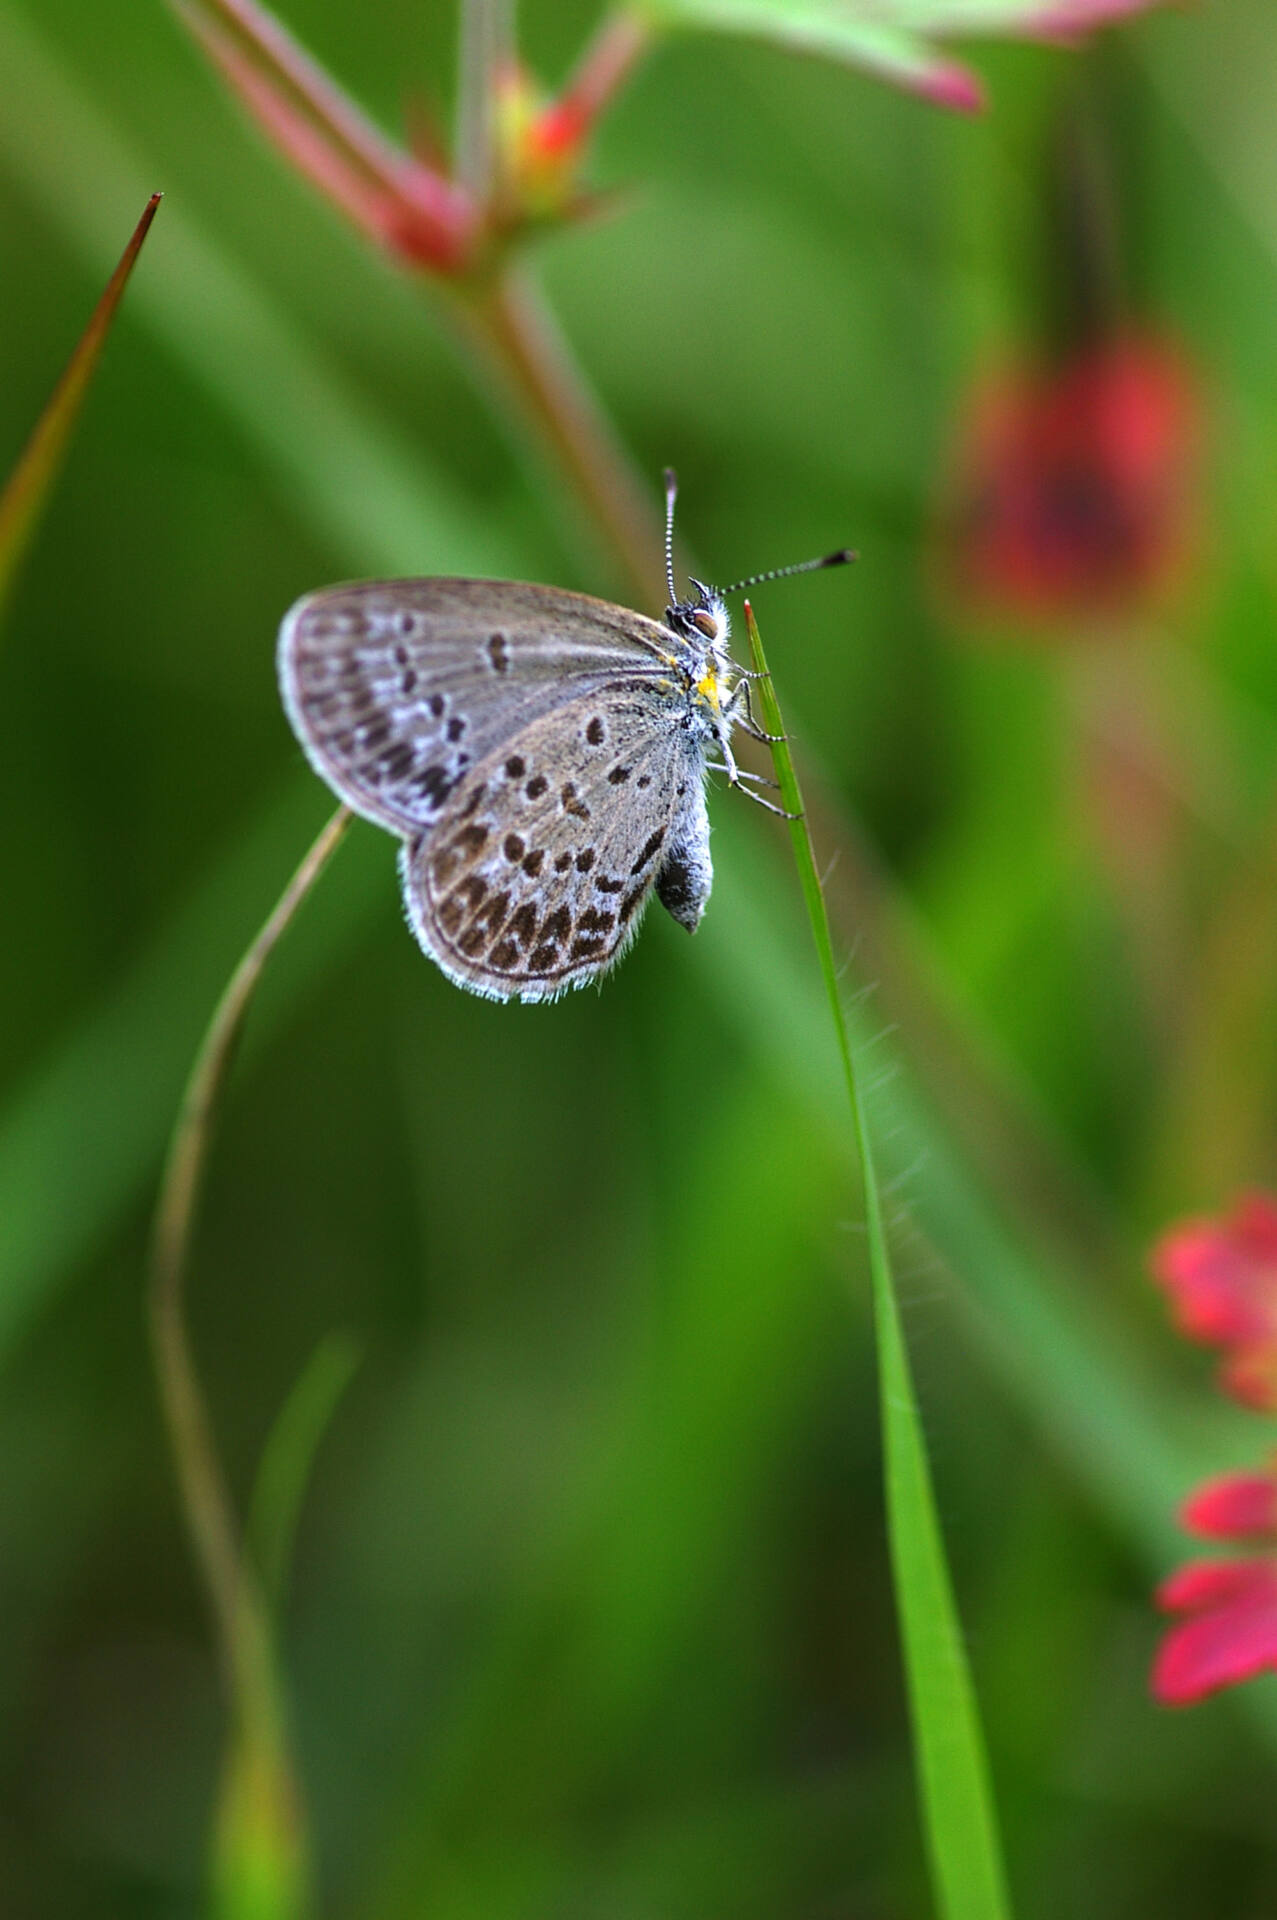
1075 488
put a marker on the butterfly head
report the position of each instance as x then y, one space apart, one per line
703 622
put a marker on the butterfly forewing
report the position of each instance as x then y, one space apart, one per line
398 689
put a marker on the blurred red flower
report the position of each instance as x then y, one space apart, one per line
1075 484
1221 1276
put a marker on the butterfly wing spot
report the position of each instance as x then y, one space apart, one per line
585 949
585 859
499 653
570 802
536 786
522 924
516 766
455 728
533 862
434 785
596 732
650 846
619 774
513 848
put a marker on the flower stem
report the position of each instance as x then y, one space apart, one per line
485 46
239 1612
516 336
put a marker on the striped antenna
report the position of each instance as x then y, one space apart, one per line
842 558
671 495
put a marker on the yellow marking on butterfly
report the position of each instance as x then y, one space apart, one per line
708 688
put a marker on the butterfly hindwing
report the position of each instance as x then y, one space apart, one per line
535 876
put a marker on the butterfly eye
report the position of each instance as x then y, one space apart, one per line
706 624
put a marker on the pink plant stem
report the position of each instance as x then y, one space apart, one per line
605 66
316 124
485 50
296 75
518 341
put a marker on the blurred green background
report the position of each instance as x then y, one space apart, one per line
589 1611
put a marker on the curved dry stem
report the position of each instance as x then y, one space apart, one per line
238 1611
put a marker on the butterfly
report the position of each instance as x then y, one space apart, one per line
541 755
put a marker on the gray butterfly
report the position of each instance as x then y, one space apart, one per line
541 754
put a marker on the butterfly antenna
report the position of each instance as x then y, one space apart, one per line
671 495
842 558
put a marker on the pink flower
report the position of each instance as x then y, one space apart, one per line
1233 1506
1221 1276
1231 1632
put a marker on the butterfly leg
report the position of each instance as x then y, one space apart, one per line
758 800
740 698
742 773
734 776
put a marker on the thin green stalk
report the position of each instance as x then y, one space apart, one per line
957 1804
262 1852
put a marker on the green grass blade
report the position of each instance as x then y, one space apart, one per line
288 1457
25 493
957 1804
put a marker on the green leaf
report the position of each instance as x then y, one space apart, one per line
28 487
895 39
957 1804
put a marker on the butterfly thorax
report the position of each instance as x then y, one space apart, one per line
703 625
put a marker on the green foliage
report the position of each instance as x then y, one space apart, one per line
589 1609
